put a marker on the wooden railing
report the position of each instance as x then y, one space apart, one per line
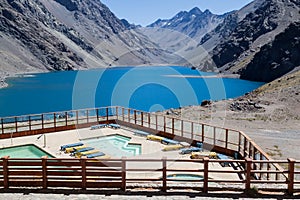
228 141
134 173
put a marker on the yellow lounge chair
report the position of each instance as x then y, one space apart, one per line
79 154
154 138
72 149
173 147
102 157
199 155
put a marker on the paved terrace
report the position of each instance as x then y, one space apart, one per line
150 149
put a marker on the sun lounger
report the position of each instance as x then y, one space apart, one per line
169 141
190 150
82 150
63 147
85 153
72 149
95 155
141 133
98 126
101 157
223 157
172 147
154 138
200 155
115 126
199 144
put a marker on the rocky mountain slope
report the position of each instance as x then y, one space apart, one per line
277 58
181 34
42 35
193 23
243 34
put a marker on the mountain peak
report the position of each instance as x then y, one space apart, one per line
195 11
207 12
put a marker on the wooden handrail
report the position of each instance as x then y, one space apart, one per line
250 147
85 173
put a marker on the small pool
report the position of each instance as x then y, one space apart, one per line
184 177
115 145
24 151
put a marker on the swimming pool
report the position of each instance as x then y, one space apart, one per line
24 151
114 145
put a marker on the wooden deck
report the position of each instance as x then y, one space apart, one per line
253 167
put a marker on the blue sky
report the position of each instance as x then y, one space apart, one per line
144 12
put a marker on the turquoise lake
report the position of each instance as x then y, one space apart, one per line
143 88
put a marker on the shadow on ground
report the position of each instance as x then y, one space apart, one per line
156 193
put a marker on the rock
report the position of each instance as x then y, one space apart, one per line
206 103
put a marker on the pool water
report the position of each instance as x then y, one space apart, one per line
24 151
184 177
115 145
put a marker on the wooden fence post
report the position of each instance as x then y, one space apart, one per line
164 124
44 171
16 124
5 172
291 176
226 139
261 165
128 113
83 172
117 112
77 120
205 174
134 115
250 150
87 116
245 147
2 122
181 128
142 119
156 127
107 114
192 130
97 114
164 174
149 120
43 126
214 135
239 147
29 122
202 133
248 173
54 120
123 187
66 116
173 131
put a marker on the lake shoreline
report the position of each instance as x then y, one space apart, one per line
5 75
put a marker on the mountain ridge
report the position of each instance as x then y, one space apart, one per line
68 35
42 35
